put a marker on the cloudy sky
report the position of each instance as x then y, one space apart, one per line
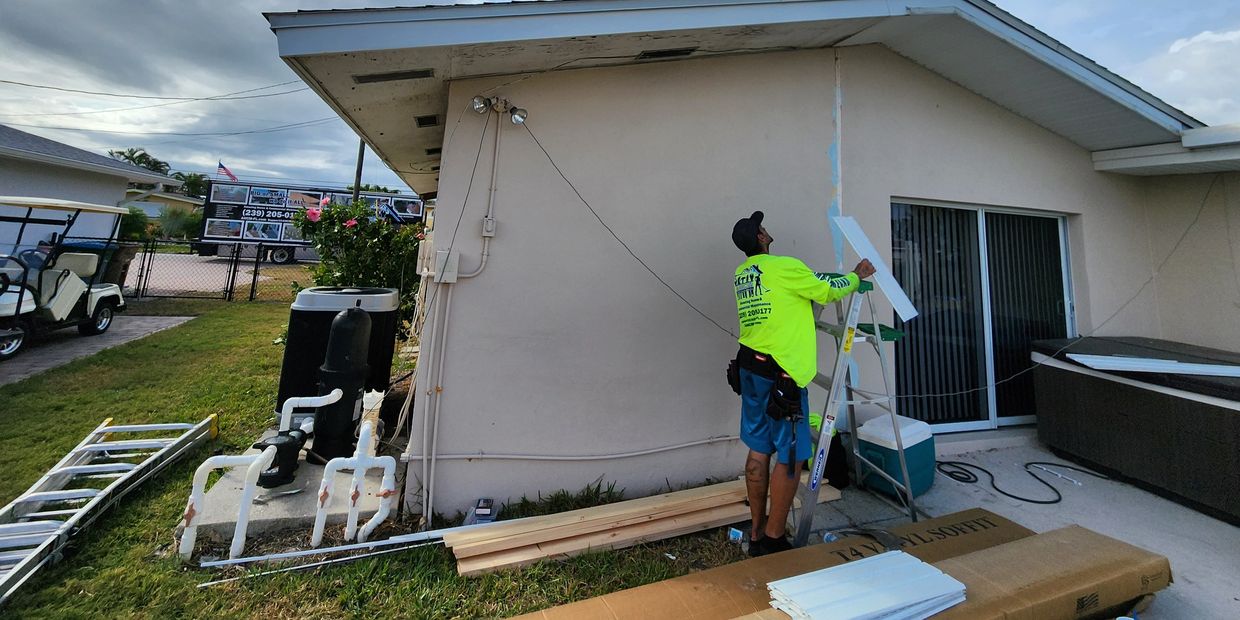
1183 52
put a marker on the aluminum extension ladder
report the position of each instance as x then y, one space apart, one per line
37 525
847 333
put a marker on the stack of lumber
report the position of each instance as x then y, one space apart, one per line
612 526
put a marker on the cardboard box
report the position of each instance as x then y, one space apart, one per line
1066 573
737 589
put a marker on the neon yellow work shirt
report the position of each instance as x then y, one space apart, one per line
773 295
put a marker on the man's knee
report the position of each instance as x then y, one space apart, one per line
756 466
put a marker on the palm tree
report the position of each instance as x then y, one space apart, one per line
192 183
367 187
139 157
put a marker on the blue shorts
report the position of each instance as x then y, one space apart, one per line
759 431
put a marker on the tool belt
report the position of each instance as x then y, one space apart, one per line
785 400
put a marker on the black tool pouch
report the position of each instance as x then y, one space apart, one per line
734 376
785 400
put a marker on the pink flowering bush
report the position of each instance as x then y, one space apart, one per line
356 248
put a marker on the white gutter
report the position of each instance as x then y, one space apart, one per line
135 176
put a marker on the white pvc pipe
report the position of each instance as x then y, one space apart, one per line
428 508
486 240
360 463
401 539
262 462
286 414
430 390
194 508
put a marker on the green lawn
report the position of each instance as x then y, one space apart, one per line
223 362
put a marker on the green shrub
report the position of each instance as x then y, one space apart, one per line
358 248
133 225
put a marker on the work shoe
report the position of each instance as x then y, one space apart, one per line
767 545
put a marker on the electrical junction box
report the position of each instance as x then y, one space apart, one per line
426 257
446 264
488 227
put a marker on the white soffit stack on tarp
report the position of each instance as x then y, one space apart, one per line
1122 363
891 586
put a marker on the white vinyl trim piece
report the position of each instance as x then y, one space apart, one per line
1050 362
1149 364
891 585
882 275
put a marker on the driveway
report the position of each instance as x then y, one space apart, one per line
61 347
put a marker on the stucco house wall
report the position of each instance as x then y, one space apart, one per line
1198 288
27 178
565 345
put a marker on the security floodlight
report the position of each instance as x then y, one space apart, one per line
480 104
519 115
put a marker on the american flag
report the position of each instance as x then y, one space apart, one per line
222 169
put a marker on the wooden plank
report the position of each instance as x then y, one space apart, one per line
616 511
499 543
612 539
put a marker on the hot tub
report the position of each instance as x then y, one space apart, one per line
1178 435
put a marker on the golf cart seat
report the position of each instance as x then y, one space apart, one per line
63 284
83 264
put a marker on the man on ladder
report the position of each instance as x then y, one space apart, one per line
777 358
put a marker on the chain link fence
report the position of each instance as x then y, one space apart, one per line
190 269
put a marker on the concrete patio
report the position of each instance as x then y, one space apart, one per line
1204 552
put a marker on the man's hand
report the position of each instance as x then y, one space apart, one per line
864 269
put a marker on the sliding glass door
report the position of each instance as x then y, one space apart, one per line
987 283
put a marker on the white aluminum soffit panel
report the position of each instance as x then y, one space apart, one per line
891 585
882 275
1149 364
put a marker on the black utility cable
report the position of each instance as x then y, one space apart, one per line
624 245
958 471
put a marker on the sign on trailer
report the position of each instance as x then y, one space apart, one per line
241 212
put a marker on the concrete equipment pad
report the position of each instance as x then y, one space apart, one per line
274 511
63 346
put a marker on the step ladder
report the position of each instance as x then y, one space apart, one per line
842 391
37 525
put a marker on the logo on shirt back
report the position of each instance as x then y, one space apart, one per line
749 283
752 307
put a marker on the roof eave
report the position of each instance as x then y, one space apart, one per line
135 175
306 33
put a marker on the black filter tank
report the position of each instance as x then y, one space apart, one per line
310 320
344 368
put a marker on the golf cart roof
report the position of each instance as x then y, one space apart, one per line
59 205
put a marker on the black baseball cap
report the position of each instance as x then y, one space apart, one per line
745 233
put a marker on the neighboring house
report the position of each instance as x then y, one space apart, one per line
153 204
1019 190
38 167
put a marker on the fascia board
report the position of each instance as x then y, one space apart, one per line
1205 137
1171 154
301 34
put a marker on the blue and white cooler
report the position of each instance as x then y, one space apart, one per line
877 443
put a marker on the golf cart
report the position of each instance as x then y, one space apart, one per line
45 286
